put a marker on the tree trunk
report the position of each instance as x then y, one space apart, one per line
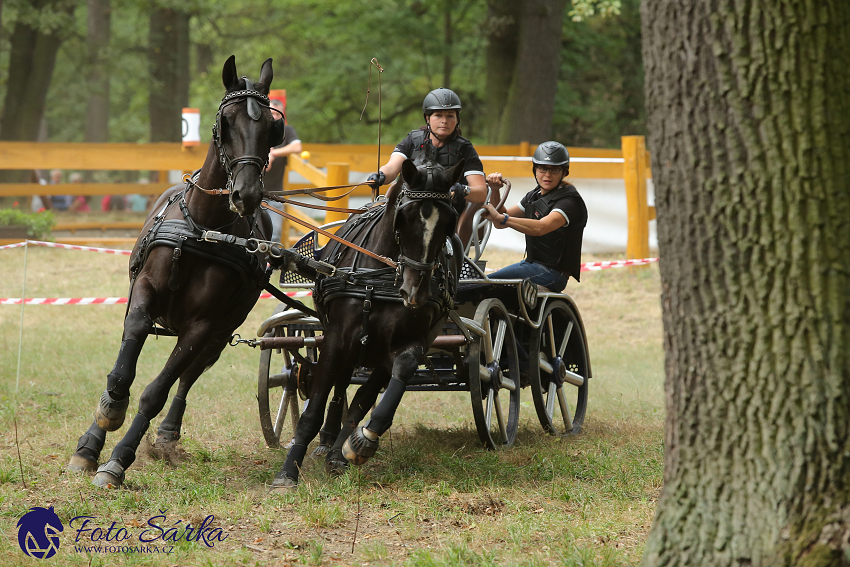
748 109
502 30
531 98
168 54
31 62
97 105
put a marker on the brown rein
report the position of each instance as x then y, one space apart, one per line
332 236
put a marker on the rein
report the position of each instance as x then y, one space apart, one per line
332 236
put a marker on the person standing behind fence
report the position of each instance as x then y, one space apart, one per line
60 202
79 204
276 169
552 217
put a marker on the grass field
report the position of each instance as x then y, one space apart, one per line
431 497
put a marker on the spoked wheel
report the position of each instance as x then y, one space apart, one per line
277 389
493 372
559 377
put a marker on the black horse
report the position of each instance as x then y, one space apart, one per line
191 273
369 321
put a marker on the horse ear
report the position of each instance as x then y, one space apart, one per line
266 76
408 170
456 172
228 74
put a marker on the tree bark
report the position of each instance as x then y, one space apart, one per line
531 99
502 30
31 61
97 105
168 54
748 108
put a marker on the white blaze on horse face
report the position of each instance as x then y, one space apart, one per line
429 225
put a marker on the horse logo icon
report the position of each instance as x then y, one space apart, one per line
38 532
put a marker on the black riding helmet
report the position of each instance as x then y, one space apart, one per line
551 153
441 99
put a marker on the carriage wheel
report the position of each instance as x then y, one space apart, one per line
559 379
493 372
278 388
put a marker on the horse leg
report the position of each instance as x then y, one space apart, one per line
363 442
112 407
364 399
333 421
151 402
169 430
327 373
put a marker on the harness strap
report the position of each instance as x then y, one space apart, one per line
294 303
367 309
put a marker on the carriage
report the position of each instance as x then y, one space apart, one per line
502 336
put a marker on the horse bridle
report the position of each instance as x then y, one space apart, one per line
254 112
440 199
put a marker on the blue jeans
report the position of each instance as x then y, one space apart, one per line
537 273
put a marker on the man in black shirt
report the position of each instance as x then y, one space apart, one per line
552 216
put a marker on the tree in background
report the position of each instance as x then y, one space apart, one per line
749 114
168 55
99 16
422 45
40 27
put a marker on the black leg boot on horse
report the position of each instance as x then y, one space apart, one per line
363 442
335 463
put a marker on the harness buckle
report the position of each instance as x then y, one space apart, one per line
211 235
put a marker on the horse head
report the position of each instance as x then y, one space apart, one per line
426 213
245 130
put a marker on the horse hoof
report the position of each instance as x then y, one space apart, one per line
335 463
358 448
109 475
321 451
164 436
283 484
109 414
81 464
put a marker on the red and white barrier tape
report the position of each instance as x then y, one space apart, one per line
105 300
596 266
586 267
66 247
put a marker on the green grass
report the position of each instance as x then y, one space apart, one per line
431 496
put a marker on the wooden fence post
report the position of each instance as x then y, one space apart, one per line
634 174
286 224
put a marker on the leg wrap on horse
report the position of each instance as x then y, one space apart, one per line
382 416
91 442
329 432
118 381
113 403
169 429
125 451
292 466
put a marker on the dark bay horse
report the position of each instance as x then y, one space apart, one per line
369 321
190 272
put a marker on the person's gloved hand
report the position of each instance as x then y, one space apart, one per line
376 179
460 190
